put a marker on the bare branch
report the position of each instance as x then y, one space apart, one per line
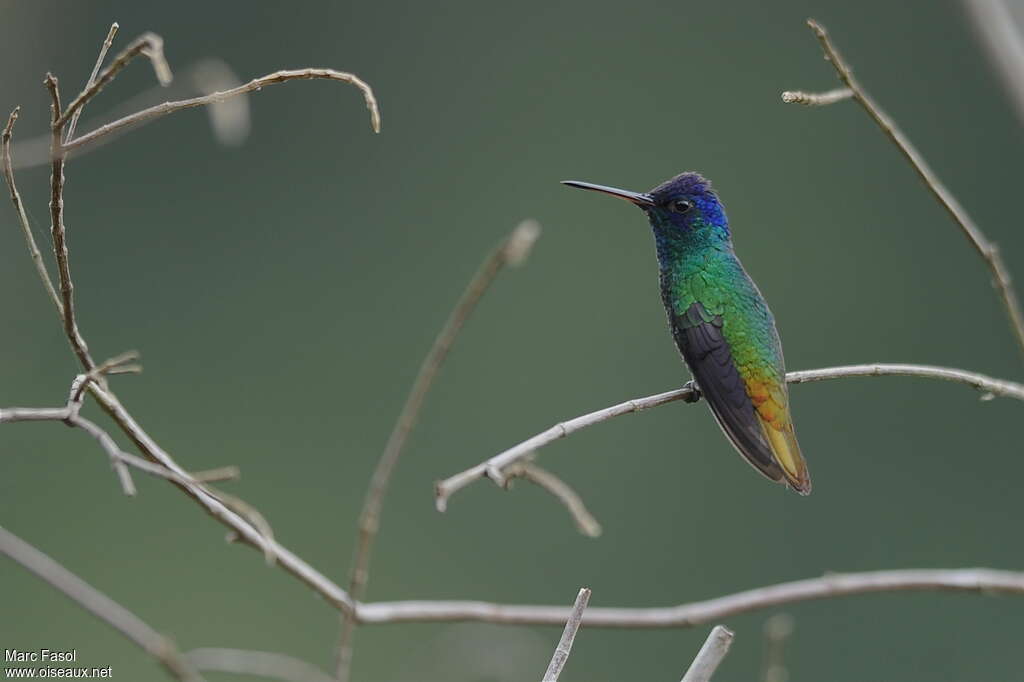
710 655
985 248
59 233
255 85
243 528
570 499
98 604
512 251
259 663
26 227
979 580
572 625
816 99
493 467
149 45
107 43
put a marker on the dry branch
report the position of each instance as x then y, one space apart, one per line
513 250
716 646
98 604
254 85
978 580
494 467
19 208
985 248
564 647
107 43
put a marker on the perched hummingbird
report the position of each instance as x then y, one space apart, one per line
721 324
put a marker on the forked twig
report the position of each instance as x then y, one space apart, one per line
986 249
107 44
98 604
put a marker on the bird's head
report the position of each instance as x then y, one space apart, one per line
676 208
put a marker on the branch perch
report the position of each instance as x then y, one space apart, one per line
494 467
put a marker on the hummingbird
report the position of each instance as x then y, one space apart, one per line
721 323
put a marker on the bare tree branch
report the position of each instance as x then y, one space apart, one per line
710 655
986 249
19 208
149 45
259 663
493 467
58 232
979 580
512 251
98 604
572 625
107 43
254 85
570 499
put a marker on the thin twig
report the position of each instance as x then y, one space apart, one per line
149 45
252 86
98 604
985 248
19 208
59 233
512 251
710 655
979 580
816 99
259 663
560 490
572 625
445 489
107 43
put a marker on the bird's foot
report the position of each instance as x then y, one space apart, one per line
694 392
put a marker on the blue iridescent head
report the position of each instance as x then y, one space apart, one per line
677 208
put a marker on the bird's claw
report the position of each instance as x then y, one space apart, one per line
694 391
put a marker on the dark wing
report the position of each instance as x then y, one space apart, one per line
698 335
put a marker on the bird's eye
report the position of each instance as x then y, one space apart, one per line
682 205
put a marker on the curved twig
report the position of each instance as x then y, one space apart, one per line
254 85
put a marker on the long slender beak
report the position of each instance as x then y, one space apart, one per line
641 200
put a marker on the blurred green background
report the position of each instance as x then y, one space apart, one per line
284 292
